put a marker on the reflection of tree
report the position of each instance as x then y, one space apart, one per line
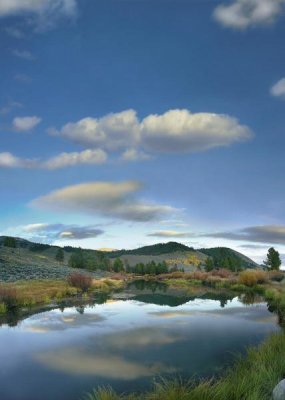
250 298
80 309
223 303
12 318
153 286
275 308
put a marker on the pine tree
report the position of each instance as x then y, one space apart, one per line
59 255
273 260
209 266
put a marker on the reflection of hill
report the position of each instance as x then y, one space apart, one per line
162 299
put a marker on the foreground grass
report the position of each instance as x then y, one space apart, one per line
252 377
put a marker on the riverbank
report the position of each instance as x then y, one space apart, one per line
252 377
35 293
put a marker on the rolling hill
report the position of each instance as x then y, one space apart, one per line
29 260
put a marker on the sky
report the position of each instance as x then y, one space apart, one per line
130 122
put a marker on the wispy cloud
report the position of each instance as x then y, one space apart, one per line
134 155
179 131
242 14
25 124
9 107
23 78
274 234
85 157
14 32
42 14
8 160
24 54
110 199
61 231
278 89
170 234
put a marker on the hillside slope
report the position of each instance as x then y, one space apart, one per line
219 254
31 260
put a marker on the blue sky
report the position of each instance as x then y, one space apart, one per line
126 123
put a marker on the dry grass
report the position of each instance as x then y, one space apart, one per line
37 292
80 281
252 277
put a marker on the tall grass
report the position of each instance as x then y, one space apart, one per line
252 377
252 277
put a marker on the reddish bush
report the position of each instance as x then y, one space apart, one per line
80 281
222 273
199 275
9 296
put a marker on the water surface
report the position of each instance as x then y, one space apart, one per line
125 343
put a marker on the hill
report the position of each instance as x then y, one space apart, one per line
153 250
24 259
225 255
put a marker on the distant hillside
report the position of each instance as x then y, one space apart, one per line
154 250
220 254
23 259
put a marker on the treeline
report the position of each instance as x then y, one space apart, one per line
153 250
231 263
99 261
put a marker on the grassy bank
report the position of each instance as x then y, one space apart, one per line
42 292
252 377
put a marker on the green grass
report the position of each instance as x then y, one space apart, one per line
252 377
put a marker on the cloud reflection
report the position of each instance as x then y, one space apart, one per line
78 361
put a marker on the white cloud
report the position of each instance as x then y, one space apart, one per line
241 14
26 55
87 157
76 158
173 131
8 160
116 200
42 13
170 234
278 90
134 155
24 124
183 131
113 131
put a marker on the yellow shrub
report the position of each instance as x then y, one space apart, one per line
252 277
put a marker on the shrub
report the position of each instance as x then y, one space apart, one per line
276 276
214 281
238 287
198 275
9 297
222 273
80 281
252 277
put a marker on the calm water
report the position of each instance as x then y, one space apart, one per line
125 343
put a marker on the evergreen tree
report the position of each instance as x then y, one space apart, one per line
273 260
209 266
118 265
59 255
10 242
